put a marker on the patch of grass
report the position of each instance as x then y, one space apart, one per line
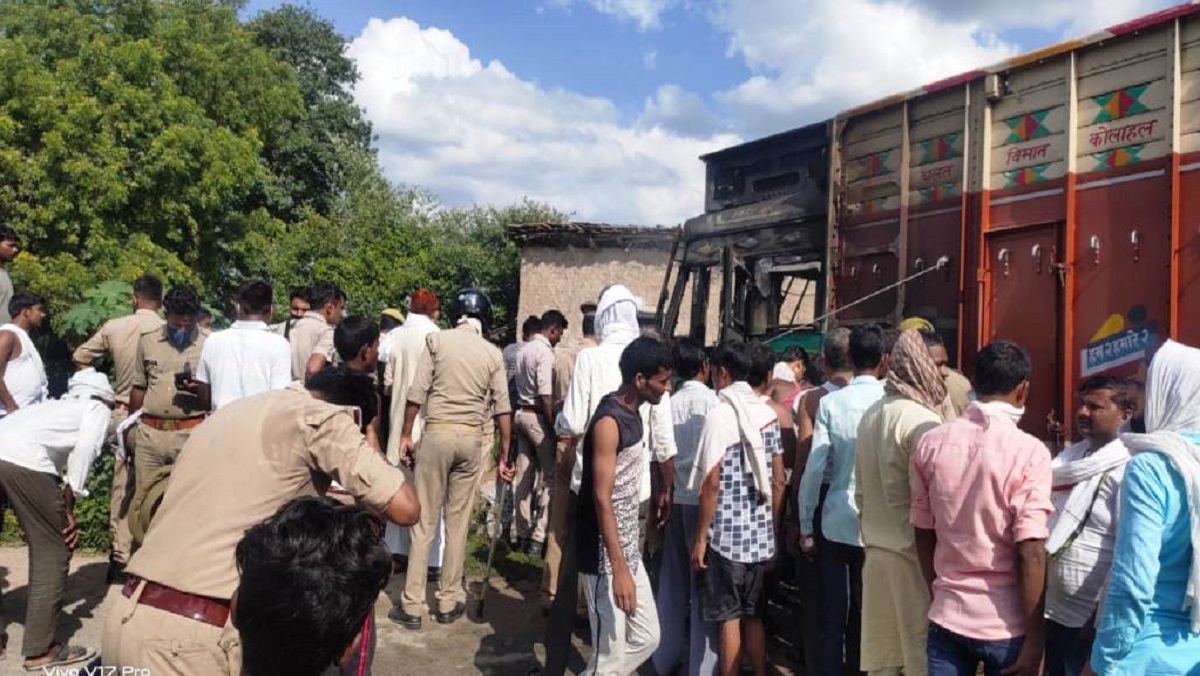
512 566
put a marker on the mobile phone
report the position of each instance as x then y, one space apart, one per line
357 413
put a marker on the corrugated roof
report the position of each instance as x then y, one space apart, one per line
598 232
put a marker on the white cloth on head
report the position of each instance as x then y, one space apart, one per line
598 372
88 383
616 316
783 371
1172 407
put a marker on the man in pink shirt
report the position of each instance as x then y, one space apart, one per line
980 503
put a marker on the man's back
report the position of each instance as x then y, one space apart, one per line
120 338
244 360
833 456
460 378
237 468
982 485
309 335
887 437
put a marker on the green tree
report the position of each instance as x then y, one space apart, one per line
306 157
126 119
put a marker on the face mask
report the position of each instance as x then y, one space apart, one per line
180 338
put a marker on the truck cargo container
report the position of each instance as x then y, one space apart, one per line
1052 199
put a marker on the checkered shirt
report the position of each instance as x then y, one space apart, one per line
743 528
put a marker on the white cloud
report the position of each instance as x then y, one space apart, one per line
650 59
647 14
1068 17
812 58
476 132
678 110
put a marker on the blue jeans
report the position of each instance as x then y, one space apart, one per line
1066 653
951 654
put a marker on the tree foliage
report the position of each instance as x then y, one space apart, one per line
166 136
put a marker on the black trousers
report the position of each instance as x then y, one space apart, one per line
561 623
840 573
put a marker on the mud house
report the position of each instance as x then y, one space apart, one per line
564 265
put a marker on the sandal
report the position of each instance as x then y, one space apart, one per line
61 656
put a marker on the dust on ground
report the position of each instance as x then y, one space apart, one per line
468 646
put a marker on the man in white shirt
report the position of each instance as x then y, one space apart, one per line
407 344
598 373
247 358
38 445
1083 527
688 644
22 376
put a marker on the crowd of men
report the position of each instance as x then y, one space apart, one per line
269 476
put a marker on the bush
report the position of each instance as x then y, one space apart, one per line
91 513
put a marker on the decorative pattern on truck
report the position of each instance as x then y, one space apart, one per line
941 148
1027 127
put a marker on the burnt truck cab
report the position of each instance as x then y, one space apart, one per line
760 245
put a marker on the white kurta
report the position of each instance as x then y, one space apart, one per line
406 343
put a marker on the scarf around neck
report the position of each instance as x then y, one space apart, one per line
740 397
1173 408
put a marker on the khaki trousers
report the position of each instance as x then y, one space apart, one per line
165 644
121 496
446 473
559 497
155 452
37 500
533 487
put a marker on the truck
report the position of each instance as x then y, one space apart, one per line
1052 199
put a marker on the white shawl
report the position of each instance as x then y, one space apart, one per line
1083 477
1172 407
739 395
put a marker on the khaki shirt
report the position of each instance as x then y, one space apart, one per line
310 335
460 379
157 363
958 389
120 337
564 367
238 468
535 371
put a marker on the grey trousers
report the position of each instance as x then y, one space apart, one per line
37 501
687 642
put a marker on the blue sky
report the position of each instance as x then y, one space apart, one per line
601 107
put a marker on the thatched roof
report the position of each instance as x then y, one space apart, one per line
591 235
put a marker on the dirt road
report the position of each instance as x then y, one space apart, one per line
467 647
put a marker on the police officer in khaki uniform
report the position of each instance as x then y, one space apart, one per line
252 457
119 337
311 336
165 391
460 384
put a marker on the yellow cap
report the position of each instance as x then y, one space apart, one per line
393 313
916 324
